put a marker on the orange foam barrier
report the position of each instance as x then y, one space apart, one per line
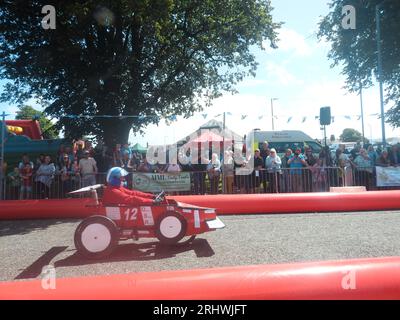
297 202
377 278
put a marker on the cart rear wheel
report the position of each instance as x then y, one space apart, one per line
170 228
96 237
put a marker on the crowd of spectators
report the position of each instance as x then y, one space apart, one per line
307 171
75 166
80 165
51 176
295 171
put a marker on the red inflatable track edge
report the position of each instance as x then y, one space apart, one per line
225 204
45 209
377 278
297 202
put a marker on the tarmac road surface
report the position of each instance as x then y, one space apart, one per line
27 246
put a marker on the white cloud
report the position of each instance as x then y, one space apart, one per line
290 41
249 83
330 93
253 106
306 104
279 74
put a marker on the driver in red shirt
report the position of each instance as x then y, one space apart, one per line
115 193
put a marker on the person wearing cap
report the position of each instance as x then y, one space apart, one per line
87 169
115 193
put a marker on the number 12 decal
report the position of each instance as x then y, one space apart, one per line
131 214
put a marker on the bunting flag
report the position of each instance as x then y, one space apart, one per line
173 118
75 116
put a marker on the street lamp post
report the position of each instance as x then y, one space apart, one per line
272 112
3 140
370 131
362 115
379 47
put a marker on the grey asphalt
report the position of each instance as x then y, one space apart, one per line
27 246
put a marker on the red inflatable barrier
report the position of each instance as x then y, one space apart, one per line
225 204
353 279
45 209
297 202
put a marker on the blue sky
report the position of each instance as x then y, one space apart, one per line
298 73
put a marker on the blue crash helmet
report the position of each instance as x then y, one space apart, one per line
114 176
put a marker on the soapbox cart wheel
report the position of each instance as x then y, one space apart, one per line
170 228
96 237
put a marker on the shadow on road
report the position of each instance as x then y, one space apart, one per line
124 252
35 269
20 227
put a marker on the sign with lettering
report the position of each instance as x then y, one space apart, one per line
388 176
156 182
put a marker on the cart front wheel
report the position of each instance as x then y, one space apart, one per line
171 228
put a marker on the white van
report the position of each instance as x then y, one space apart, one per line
283 140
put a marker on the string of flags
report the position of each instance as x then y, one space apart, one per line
140 117
173 118
75 116
289 119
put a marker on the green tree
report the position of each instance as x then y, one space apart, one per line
144 59
28 113
356 50
352 135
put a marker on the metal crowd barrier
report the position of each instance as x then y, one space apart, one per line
285 180
288 180
364 176
58 187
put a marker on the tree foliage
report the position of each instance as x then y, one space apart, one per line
352 135
142 58
356 50
26 112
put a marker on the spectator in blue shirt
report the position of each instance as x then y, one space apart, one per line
296 162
